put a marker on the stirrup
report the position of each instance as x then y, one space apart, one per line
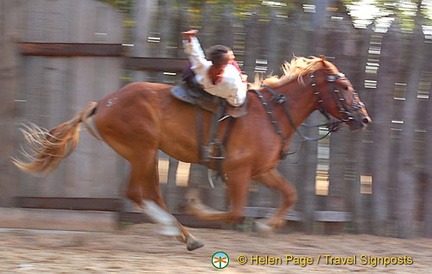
226 116
208 151
213 175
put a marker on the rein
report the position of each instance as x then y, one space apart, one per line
275 123
280 99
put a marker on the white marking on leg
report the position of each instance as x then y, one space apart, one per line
263 228
157 214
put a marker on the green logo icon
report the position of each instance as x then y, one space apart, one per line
220 260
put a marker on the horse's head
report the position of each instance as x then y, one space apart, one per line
337 97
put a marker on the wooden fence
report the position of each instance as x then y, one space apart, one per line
61 54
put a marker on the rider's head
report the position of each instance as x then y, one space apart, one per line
219 55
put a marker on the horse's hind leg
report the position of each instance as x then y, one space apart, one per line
238 186
274 179
144 191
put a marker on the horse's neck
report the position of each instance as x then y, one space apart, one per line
300 99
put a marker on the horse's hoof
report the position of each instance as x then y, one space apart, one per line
192 243
263 229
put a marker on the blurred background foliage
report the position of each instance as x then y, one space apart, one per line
364 11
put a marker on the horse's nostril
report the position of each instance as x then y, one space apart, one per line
366 120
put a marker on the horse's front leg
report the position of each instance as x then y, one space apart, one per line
274 179
238 187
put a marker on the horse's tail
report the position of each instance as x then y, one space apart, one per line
51 147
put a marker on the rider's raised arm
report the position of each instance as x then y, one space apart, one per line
196 55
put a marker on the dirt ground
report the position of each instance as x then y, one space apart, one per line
139 249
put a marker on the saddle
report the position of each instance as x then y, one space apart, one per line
194 94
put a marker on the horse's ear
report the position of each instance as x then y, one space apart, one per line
323 59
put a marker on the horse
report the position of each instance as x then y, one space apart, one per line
142 117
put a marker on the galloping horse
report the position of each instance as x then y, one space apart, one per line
142 117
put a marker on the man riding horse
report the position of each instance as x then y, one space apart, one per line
220 74
142 118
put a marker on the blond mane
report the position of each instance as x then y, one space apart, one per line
296 68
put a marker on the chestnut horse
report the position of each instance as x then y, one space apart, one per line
141 118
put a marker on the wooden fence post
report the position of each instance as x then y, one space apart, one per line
427 211
406 173
311 148
391 50
358 153
341 46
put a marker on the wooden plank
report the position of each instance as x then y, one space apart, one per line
34 21
115 204
110 173
96 204
91 78
145 13
53 24
357 155
82 181
333 216
250 212
54 83
293 215
108 29
71 49
35 74
156 64
338 195
316 43
58 219
405 164
186 220
309 177
102 50
266 212
36 96
10 21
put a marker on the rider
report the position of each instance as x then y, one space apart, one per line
220 74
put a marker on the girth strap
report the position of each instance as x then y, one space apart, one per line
214 125
213 153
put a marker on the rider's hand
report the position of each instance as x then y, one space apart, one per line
188 34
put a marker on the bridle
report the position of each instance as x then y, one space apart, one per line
344 109
332 126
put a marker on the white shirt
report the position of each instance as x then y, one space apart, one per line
230 87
